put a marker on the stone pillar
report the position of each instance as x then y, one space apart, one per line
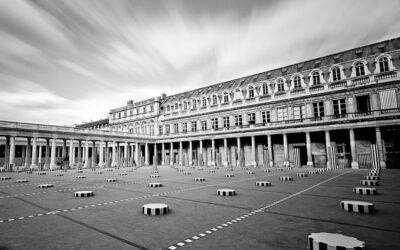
253 152
309 150
212 152
171 154
40 157
94 155
12 154
106 155
117 155
79 153
132 154
226 162
285 150
328 144
162 153
7 153
114 155
71 152
380 147
354 161
190 153
155 158
34 153
86 154
137 154
126 154
200 156
53 164
270 151
101 155
180 154
64 149
146 154
239 147
46 156
28 153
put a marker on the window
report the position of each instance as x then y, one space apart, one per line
251 91
297 82
251 118
226 97
151 130
282 114
168 108
281 85
214 100
226 121
151 108
238 94
339 107
203 125
265 89
160 130
316 78
238 120
176 106
194 103
176 128
184 127
114 116
383 64
214 123
319 109
119 115
299 112
184 105
388 99
137 130
131 112
336 74
194 125
360 71
204 101
167 129
266 116
144 129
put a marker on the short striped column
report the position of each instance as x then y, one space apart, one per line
369 183
80 177
111 180
5 178
41 173
83 194
154 172
79 171
357 206
46 185
331 241
226 192
155 209
98 172
187 173
58 175
199 179
229 175
123 174
365 190
21 181
376 164
263 183
296 158
267 170
154 176
301 174
285 178
372 178
154 184
313 172
331 155
28 172
180 170
251 172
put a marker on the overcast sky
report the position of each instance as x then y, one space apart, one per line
64 62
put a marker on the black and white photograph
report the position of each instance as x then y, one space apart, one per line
199 124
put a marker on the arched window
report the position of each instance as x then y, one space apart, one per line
316 78
194 103
360 71
336 74
281 85
226 97
383 64
265 89
204 101
214 100
251 91
297 82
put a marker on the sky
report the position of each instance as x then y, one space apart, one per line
68 62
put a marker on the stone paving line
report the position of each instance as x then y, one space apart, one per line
128 199
240 218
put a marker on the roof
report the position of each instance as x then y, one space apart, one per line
93 123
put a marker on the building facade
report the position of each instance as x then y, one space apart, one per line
345 102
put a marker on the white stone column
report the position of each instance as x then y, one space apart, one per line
270 151
46 156
328 144
28 153
155 155
40 157
126 154
64 149
200 156
80 154
253 152
114 155
94 155
101 155
53 155
226 162
86 154
378 135
354 161
309 150
12 153
71 153
190 153
239 148
180 154
34 153
171 153
162 153
212 152
285 150
106 155
137 153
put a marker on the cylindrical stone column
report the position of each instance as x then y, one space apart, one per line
12 154
285 150
239 148
28 153
46 156
34 153
309 152
354 161
270 151
162 153
253 152
379 144
53 155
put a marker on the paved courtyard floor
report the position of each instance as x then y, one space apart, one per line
280 216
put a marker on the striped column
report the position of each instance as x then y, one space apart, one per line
270 152
296 158
331 155
380 147
375 157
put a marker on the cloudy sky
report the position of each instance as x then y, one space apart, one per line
64 62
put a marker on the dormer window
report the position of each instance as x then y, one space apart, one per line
297 82
316 78
281 85
359 67
226 97
265 89
176 106
336 74
214 100
204 101
194 103
251 91
383 64
184 105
